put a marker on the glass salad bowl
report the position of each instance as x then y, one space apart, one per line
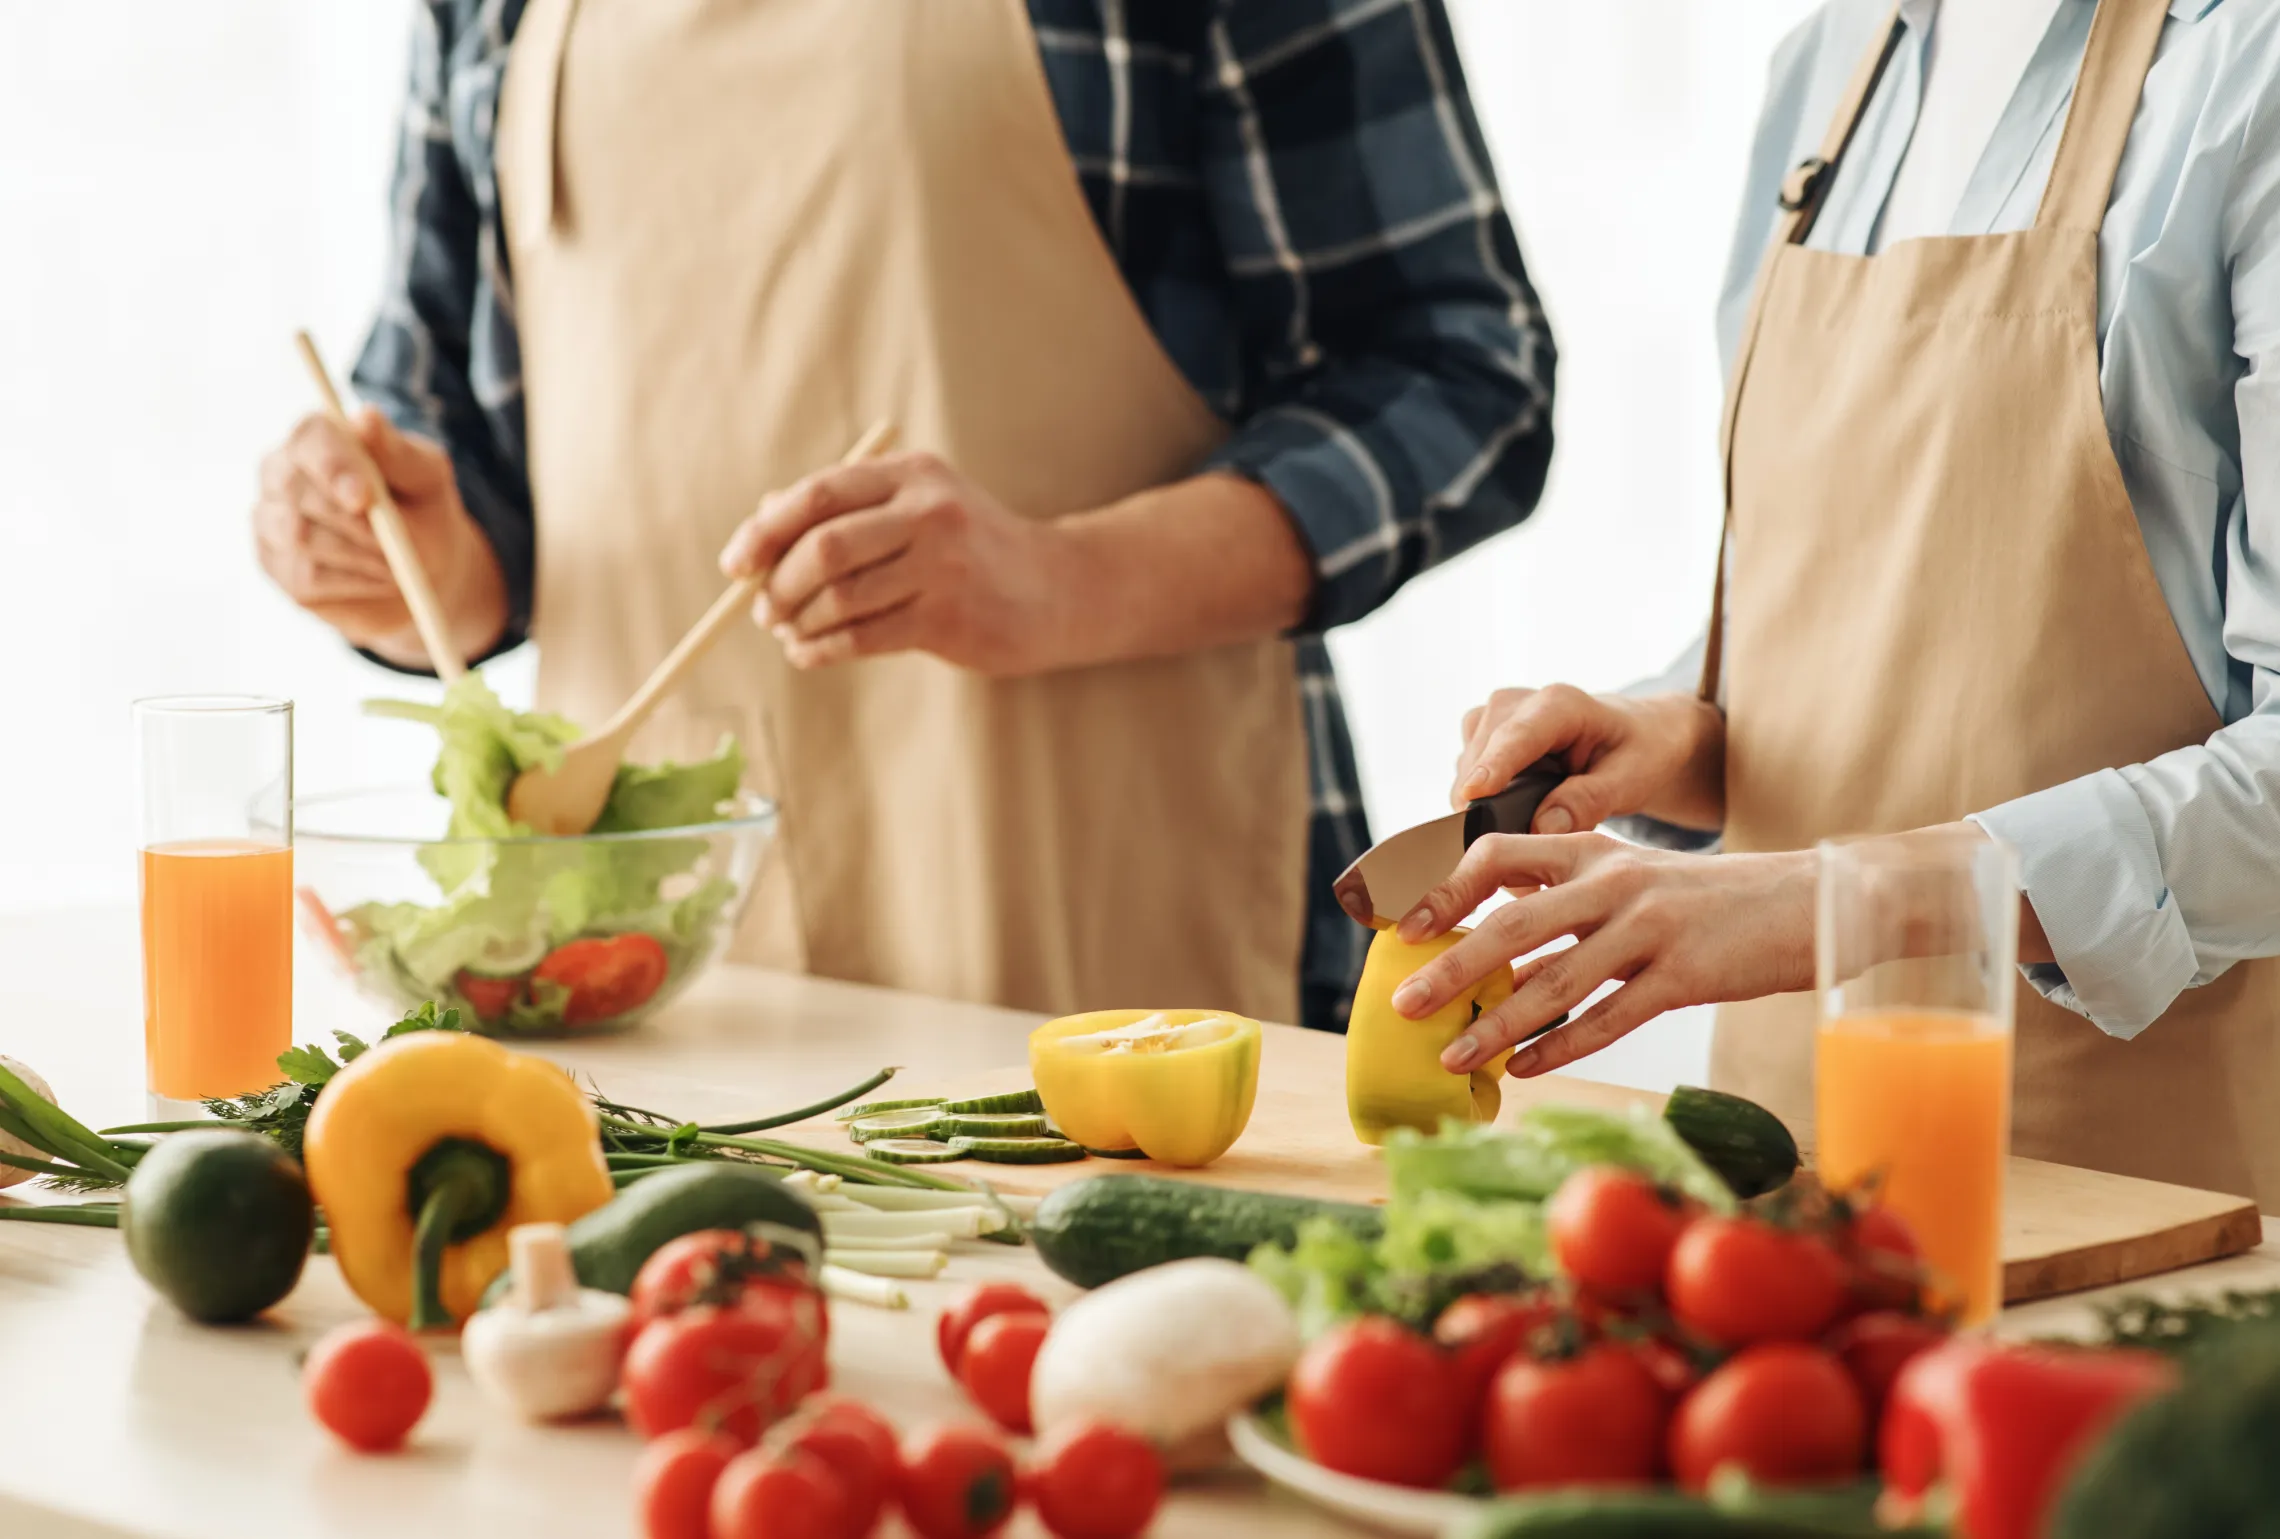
527 936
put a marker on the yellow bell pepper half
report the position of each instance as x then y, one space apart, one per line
427 1149
1175 1084
1394 1077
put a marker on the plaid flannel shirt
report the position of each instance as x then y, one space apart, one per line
1300 198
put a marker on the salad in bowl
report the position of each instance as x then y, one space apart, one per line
438 894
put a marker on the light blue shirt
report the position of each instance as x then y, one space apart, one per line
2156 877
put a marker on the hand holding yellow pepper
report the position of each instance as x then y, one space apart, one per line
427 1149
1175 1084
1394 1077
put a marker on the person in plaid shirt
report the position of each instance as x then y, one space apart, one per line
1298 196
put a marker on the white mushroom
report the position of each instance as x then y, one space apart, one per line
550 1348
10 1144
1169 1353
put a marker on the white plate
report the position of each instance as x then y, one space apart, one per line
1390 1509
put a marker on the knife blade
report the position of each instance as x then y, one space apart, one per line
1397 871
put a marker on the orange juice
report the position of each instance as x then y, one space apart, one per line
217 919
1921 1101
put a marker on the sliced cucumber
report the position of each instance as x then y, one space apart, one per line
505 957
912 1151
1015 1151
976 1125
917 1123
873 1108
1011 1103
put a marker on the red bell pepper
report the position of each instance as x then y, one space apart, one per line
2003 1426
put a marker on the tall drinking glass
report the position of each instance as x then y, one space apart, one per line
217 891
1916 940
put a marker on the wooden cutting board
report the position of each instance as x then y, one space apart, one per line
2063 1228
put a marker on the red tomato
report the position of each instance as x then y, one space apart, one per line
1612 1231
1887 1263
1738 1280
1481 1331
1668 1364
856 1444
766 1493
607 975
489 998
1787 1413
1370 1398
1094 1481
955 1324
368 1383
957 1483
720 1266
673 1483
740 1368
996 1365
1875 1347
1592 1420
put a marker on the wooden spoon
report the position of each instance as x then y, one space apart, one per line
388 526
568 799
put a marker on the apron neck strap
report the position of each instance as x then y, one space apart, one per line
1807 186
2124 36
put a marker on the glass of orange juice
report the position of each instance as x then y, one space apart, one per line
1916 939
216 835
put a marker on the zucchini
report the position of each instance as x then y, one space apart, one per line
1011 1103
1743 1142
918 1123
1018 1151
608 1245
1842 1513
911 1151
873 1108
1101 1228
983 1125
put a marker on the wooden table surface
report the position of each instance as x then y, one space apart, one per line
118 1418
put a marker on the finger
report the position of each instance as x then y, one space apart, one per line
1547 722
853 599
1562 983
1524 925
832 551
1494 862
763 539
311 583
355 558
1618 1015
412 465
898 630
326 455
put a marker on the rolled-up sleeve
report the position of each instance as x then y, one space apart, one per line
1398 368
418 363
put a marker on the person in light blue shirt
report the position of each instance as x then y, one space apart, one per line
2143 881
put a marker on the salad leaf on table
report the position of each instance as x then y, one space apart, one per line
1466 1213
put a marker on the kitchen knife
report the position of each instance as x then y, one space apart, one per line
1396 872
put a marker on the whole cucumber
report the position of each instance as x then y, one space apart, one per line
1096 1230
608 1245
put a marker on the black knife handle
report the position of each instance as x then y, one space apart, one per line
1513 809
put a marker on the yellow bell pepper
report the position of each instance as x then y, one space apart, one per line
1175 1084
427 1149
1394 1077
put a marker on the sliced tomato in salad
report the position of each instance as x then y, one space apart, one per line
605 975
489 998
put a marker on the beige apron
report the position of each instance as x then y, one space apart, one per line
742 230
1939 599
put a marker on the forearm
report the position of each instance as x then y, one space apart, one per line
1204 562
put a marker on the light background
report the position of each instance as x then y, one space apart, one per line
183 184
